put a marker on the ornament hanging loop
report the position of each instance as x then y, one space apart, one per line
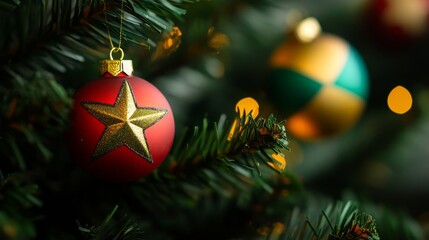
115 50
114 67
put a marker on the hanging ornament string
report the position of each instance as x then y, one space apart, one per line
118 66
112 47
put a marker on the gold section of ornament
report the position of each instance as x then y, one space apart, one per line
331 112
322 59
115 67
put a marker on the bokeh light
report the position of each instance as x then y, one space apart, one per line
308 29
280 161
399 100
245 106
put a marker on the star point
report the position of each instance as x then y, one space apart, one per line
124 123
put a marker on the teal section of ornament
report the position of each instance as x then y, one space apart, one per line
290 90
353 76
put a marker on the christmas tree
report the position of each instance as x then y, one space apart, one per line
287 119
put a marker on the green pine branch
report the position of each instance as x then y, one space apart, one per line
303 215
7 7
213 172
338 221
393 223
57 36
27 109
18 201
220 156
251 142
113 228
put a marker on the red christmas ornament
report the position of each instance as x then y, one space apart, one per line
122 126
398 22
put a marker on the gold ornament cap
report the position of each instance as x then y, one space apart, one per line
114 67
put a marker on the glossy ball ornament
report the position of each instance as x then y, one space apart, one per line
122 126
398 22
320 87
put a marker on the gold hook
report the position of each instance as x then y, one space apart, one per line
117 49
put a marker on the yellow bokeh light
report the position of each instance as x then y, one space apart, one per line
308 29
245 106
280 161
399 100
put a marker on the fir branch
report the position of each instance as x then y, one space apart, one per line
208 163
239 151
57 36
17 202
210 172
7 7
251 139
26 110
349 223
360 226
339 221
114 229
394 223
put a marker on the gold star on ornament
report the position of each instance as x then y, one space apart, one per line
125 123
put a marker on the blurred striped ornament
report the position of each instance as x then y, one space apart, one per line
320 86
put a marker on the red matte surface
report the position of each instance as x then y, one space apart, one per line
392 33
121 164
